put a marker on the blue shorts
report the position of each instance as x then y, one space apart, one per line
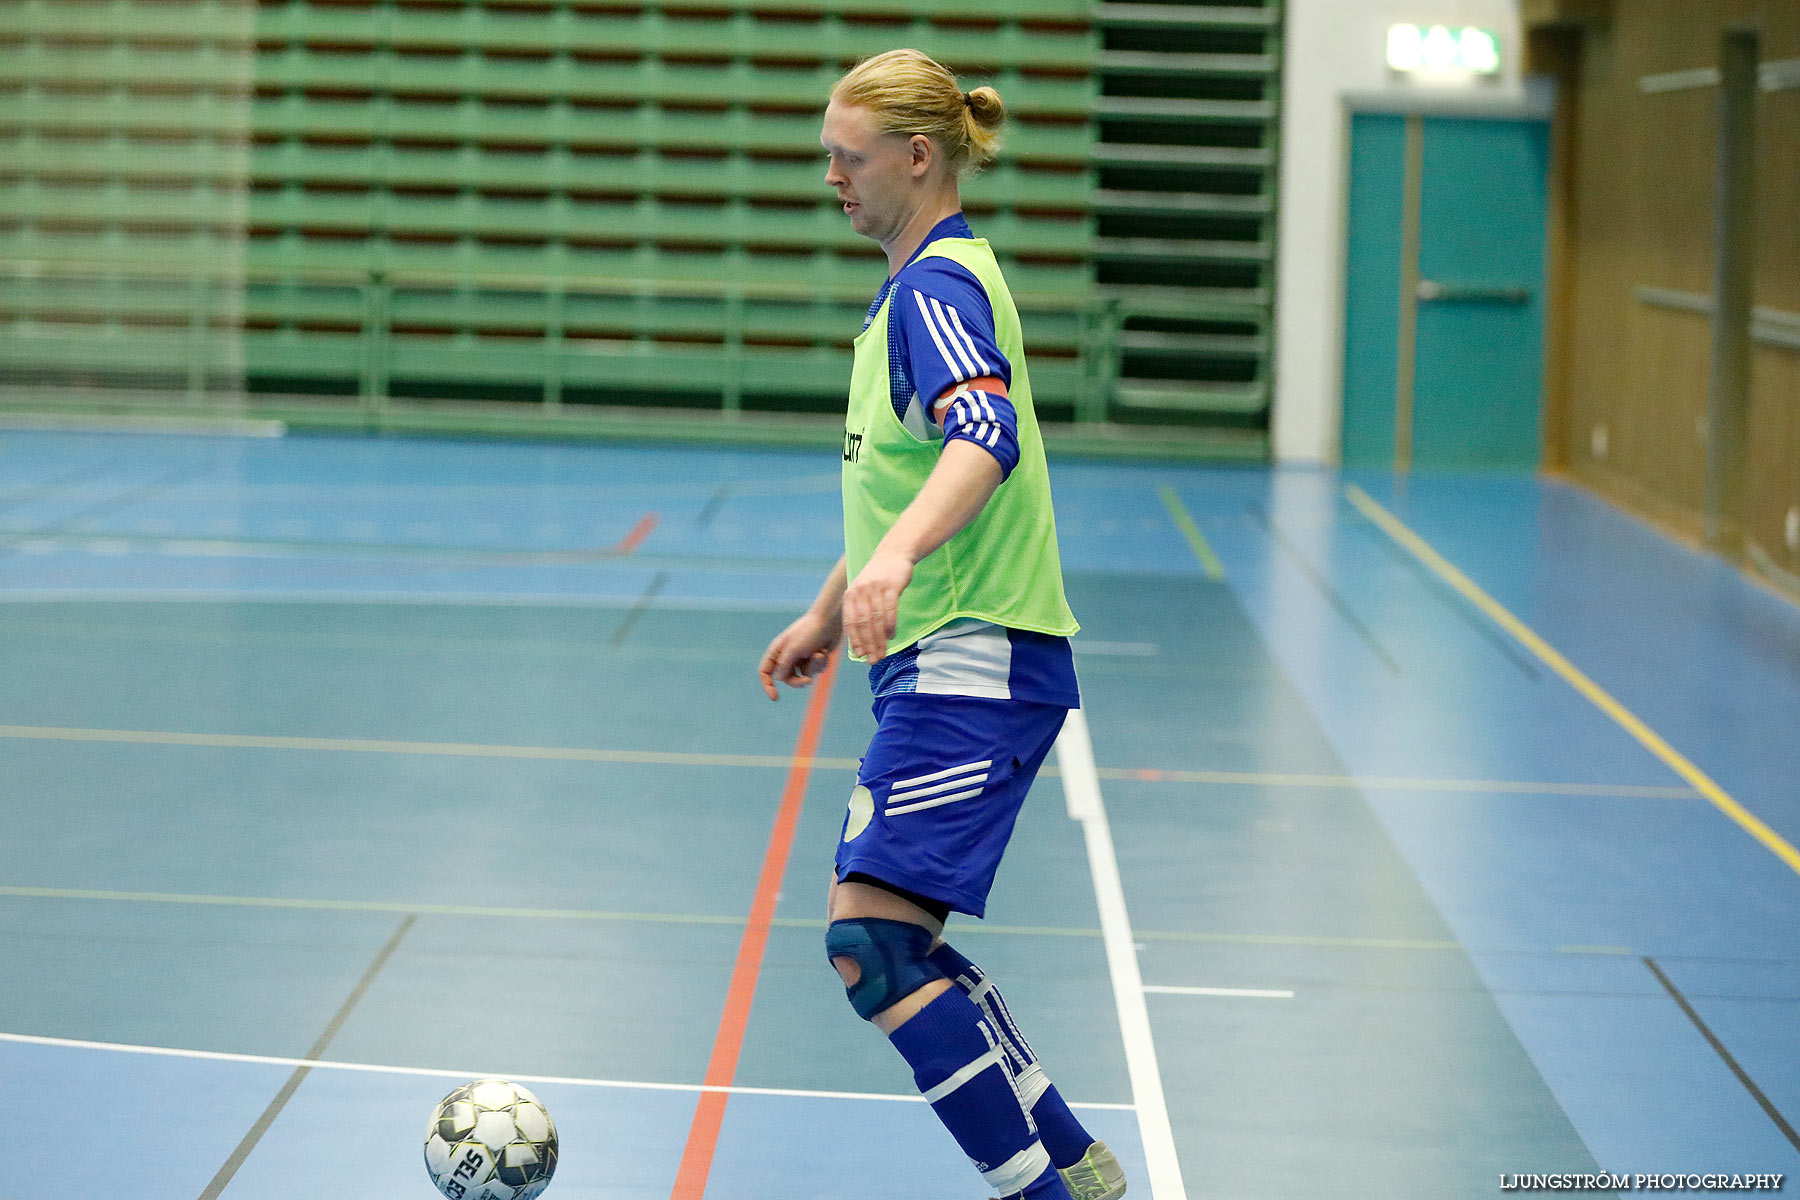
939 791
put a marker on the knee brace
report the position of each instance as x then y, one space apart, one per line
891 956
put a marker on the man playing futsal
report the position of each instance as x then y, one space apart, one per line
951 589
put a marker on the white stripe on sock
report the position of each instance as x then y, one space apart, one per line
1022 1168
984 997
1032 1084
1009 1030
963 1075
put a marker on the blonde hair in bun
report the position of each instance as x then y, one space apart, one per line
909 92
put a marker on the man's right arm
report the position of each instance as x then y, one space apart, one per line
802 651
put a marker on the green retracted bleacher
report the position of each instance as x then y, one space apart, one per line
563 205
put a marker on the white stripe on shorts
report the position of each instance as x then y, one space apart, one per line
932 789
950 799
985 763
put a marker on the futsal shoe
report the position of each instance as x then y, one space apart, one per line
1096 1177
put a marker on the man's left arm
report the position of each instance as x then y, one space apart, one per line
961 484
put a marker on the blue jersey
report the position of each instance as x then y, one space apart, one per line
941 337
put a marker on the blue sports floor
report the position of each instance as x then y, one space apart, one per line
1451 821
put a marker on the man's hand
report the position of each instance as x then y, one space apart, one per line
872 602
801 652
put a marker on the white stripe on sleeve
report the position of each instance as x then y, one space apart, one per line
931 328
955 342
974 352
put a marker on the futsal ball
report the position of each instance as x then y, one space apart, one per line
491 1140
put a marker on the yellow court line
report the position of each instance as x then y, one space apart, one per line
240 741
207 900
1598 696
1191 531
1301 940
203 899
1398 783
153 737
980 928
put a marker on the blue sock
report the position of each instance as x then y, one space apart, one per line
962 1070
1063 1136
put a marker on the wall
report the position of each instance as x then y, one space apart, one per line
1773 516
1336 47
1641 215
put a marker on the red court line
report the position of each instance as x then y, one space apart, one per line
721 1069
638 533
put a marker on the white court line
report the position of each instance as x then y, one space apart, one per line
128 423
1250 993
437 1072
125 593
1081 788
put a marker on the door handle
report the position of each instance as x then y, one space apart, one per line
1431 290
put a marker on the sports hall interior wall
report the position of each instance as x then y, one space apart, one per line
1629 367
558 205
1335 57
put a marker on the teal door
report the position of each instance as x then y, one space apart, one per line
1444 305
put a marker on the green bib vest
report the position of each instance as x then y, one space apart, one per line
1003 567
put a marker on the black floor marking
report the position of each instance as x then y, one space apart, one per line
107 505
286 1093
638 610
1454 601
1324 585
1712 1040
132 497
713 506
36 491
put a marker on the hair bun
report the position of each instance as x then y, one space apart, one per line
985 106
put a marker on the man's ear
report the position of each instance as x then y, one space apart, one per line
922 154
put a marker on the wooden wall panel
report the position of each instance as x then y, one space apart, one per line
1774 482
1640 213
1642 201
1774 470
1774 475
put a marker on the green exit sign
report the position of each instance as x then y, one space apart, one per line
1443 50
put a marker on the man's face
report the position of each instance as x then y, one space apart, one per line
874 174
